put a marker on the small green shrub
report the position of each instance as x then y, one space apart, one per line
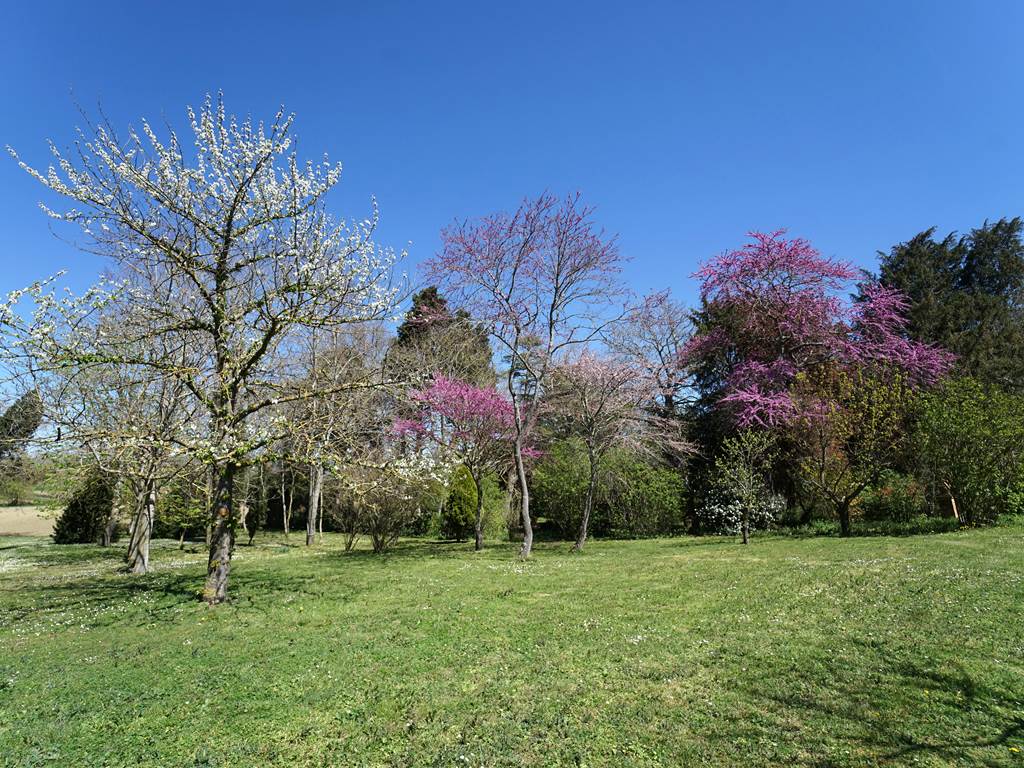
87 511
897 497
633 497
458 515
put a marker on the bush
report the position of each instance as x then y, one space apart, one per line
87 512
181 508
724 517
633 497
897 498
970 447
638 499
558 486
458 515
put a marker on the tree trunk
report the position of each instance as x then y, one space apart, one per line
209 505
510 492
109 530
115 517
320 521
844 518
243 518
524 501
181 539
142 530
479 544
223 538
286 507
745 524
316 483
588 504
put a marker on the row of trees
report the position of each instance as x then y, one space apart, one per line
236 367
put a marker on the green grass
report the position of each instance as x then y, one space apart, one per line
792 651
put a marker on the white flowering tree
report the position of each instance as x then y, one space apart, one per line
233 255
131 421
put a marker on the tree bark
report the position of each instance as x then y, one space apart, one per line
115 517
745 525
286 507
524 502
315 486
588 504
844 519
223 537
209 505
320 520
479 543
142 530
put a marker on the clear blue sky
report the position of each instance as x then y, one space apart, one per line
687 123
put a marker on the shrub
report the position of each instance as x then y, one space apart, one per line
637 498
896 497
724 517
558 486
633 497
458 515
181 508
970 444
87 511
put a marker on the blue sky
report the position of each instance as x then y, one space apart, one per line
855 125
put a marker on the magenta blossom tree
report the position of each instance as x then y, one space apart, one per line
541 280
474 425
783 311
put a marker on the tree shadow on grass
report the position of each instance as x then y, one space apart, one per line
920 526
981 721
431 549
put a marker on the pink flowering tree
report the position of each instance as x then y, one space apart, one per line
779 310
599 400
541 280
651 339
474 425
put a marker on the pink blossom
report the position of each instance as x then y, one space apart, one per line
786 314
475 424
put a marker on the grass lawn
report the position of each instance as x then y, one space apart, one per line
792 651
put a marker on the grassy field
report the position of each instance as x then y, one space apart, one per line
673 652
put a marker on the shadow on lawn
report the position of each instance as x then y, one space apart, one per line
432 549
256 582
947 715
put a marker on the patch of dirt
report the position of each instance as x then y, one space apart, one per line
25 521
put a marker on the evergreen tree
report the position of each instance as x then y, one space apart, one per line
19 422
458 515
967 295
432 339
87 511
